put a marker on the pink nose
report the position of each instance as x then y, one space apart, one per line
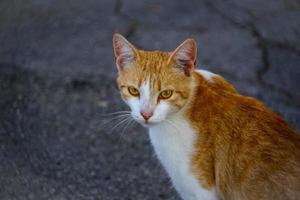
146 114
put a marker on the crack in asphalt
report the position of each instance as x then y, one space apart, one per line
262 45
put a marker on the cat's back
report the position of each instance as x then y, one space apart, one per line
267 152
256 153
264 152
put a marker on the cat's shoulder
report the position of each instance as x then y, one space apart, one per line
207 75
216 81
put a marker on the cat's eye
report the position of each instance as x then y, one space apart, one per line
133 91
166 94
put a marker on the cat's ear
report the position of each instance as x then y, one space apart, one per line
185 55
125 52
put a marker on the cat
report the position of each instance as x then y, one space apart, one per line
213 142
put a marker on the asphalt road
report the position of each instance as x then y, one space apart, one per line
57 81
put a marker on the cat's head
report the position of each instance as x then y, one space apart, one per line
155 84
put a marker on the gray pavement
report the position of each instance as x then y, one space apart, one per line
57 79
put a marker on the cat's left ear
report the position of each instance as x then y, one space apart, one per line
185 55
125 52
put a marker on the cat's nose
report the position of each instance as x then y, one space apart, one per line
147 114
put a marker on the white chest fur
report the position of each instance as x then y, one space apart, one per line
173 142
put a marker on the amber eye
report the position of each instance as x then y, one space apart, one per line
133 91
165 94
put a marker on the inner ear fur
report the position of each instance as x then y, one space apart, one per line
125 53
185 56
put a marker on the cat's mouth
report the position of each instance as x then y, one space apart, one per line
146 123
149 123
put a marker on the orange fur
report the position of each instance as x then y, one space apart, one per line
162 74
243 149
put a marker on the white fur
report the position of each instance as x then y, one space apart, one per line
173 141
206 74
184 53
134 104
145 101
160 111
123 50
145 89
123 45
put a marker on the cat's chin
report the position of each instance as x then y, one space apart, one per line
149 124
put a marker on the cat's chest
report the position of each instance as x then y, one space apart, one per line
174 144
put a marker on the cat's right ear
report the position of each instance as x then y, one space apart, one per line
125 52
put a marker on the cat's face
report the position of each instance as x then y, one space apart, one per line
154 84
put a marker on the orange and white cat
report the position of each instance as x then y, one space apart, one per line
213 142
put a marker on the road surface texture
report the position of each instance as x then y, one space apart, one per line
57 79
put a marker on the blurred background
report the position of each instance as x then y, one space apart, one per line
57 81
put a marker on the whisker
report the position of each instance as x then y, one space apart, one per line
119 123
116 113
115 119
127 125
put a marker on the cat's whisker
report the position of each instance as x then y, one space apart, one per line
118 116
112 117
113 120
127 126
116 113
120 123
115 117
